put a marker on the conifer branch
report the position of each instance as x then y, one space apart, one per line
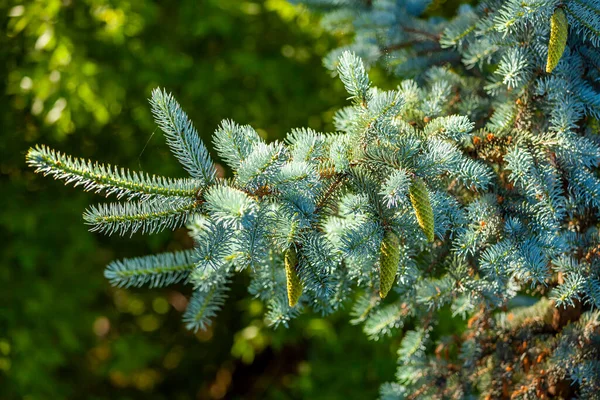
182 137
149 217
157 270
204 305
106 178
324 215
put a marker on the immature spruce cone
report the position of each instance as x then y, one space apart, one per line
559 29
294 285
419 198
389 258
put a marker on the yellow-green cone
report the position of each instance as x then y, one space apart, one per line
419 197
294 285
389 257
559 30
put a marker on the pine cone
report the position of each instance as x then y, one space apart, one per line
559 30
389 258
419 197
294 285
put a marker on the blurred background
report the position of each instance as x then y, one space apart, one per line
76 76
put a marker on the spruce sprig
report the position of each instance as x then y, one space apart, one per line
154 270
107 179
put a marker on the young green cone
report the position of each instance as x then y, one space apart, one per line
419 197
559 29
389 257
294 285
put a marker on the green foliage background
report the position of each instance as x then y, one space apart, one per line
76 77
